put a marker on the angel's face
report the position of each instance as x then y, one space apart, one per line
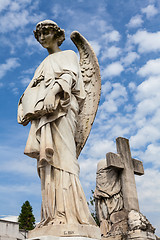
46 37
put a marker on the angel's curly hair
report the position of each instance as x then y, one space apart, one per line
49 24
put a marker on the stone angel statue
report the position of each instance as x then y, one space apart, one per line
60 103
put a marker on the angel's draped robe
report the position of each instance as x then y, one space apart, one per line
51 139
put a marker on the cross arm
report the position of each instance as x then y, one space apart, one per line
114 160
138 167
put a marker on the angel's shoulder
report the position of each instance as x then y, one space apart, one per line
70 53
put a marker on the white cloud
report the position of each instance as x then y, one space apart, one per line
98 149
109 106
24 167
152 155
27 76
4 4
33 45
56 10
112 70
118 91
147 114
135 21
95 45
10 64
150 11
31 41
113 36
94 151
145 135
98 22
29 71
14 162
15 91
146 107
14 6
148 195
128 108
120 129
25 81
148 96
146 41
33 189
152 67
112 52
8 43
19 15
148 89
132 86
114 99
9 22
130 58
149 191
88 171
106 87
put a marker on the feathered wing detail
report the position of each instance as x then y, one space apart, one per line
92 83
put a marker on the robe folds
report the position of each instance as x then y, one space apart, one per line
51 138
108 196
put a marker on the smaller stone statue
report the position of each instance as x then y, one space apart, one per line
108 195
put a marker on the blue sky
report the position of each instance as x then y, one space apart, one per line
126 38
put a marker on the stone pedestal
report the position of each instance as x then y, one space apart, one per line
64 231
61 238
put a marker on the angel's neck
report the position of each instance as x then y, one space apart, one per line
53 49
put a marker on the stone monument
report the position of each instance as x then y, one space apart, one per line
60 103
116 196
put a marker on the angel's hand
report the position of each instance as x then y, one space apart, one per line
49 101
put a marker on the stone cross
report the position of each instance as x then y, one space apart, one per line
129 166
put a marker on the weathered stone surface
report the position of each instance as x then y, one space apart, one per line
136 220
138 167
116 187
119 228
141 235
118 216
61 102
114 160
108 197
120 169
64 230
128 180
117 237
132 235
105 227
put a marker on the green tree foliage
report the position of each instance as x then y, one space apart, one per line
26 218
91 204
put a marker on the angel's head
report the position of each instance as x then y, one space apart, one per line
47 31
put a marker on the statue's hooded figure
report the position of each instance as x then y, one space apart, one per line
52 134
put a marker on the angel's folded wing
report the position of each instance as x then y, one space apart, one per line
92 83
